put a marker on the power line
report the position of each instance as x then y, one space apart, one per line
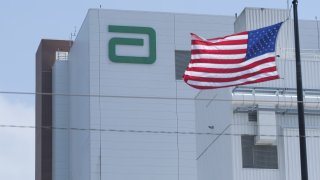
144 131
142 97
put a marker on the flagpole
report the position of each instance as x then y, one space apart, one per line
302 133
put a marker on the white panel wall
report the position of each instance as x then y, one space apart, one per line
94 86
203 25
170 155
60 119
186 123
79 105
152 156
214 152
206 26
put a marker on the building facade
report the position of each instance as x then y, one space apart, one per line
120 110
45 58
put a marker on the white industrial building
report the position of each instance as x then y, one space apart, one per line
119 102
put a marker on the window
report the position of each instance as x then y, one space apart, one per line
182 59
61 55
253 116
258 156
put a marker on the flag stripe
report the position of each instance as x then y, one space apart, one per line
208 43
256 65
234 37
241 64
204 51
228 75
215 79
218 56
217 61
241 33
240 81
225 47
248 82
237 62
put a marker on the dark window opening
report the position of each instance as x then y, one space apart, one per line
253 116
258 156
182 59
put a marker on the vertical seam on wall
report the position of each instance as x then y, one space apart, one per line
286 49
100 162
177 117
318 31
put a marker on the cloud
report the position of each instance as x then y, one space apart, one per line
17 145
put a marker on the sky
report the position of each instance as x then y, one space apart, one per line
24 23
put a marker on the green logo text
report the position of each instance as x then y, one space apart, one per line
132 42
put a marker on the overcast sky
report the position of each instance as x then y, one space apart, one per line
24 23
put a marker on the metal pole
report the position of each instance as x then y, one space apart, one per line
302 133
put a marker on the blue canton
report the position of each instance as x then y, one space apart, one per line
262 41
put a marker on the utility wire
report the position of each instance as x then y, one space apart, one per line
142 97
143 131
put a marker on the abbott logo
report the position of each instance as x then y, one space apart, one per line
132 42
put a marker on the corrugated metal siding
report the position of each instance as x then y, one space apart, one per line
254 18
240 23
291 151
291 121
288 148
241 125
308 30
286 69
313 146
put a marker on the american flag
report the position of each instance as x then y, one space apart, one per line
238 59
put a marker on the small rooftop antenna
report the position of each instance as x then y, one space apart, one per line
73 34
100 6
